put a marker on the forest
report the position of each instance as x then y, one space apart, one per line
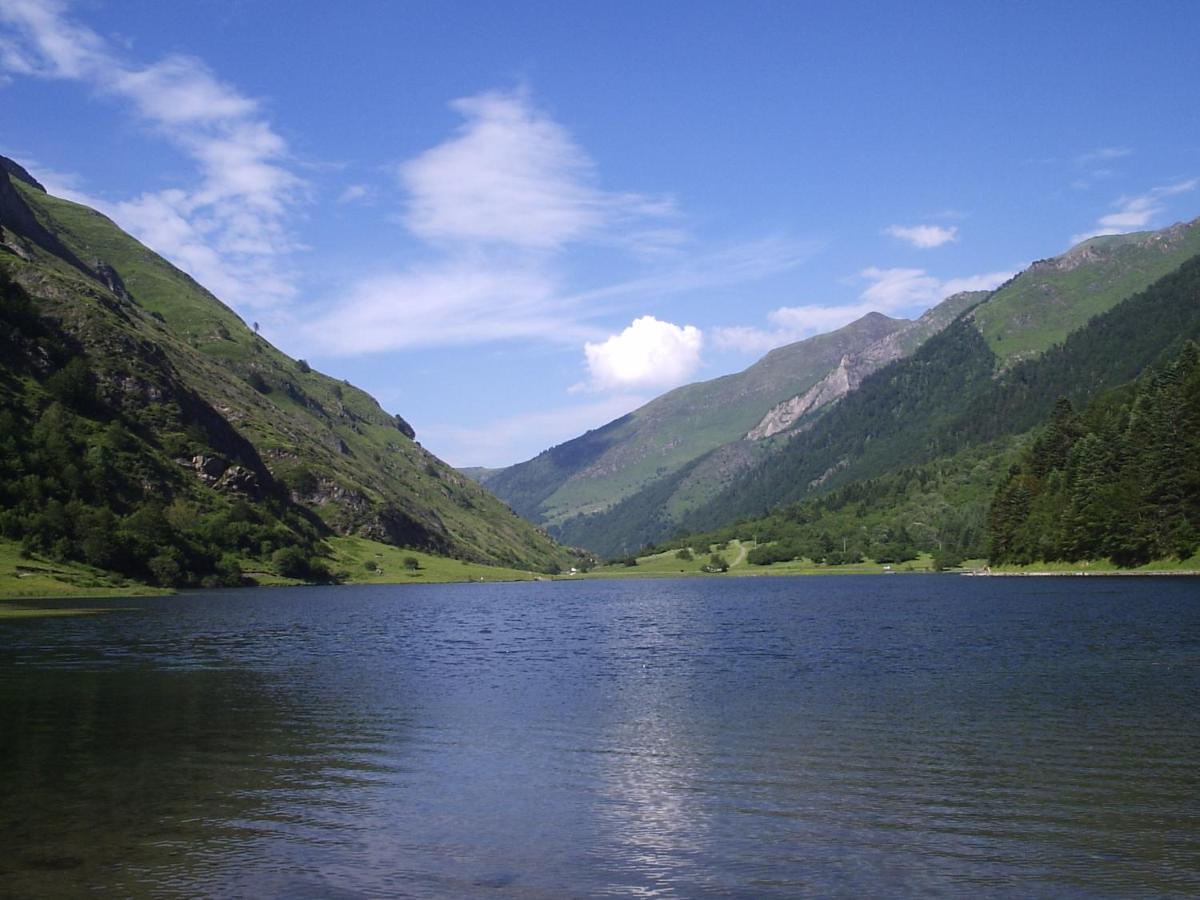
1119 480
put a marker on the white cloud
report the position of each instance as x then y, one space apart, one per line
648 354
228 230
924 236
499 202
474 297
456 302
511 439
894 292
893 289
1137 213
512 175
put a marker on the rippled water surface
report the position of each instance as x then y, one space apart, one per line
737 737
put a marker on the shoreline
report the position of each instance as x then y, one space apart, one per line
1119 573
13 600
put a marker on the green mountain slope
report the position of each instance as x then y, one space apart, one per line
1120 481
945 398
1054 297
676 452
213 412
600 467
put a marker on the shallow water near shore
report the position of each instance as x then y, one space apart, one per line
737 737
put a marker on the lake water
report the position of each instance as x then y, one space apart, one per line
725 737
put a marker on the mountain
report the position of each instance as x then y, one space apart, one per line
1121 480
955 392
913 394
1057 296
157 400
675 452
934 456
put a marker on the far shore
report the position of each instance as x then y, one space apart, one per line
38 587
1080 573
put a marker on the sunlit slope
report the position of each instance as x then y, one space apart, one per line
1055 297
948 397
601 467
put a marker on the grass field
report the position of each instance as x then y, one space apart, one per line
352 554
1191 565
34 577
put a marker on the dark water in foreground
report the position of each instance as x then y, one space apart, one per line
751 737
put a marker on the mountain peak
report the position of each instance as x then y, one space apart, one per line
873 318
16 170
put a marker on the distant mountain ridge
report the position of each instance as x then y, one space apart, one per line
697 437
955 393
728 475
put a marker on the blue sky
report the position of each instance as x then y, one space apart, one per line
511 222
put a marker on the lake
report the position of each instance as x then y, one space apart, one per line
752 737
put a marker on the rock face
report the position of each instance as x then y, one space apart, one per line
404 428
854 367
837 384
239 480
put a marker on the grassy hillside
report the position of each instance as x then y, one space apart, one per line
1055 297
597 469
212 413
945 398
614 488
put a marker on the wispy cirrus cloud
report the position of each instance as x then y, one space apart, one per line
924 236
512 175
1137 212
454 302
896 292
229 228
500 204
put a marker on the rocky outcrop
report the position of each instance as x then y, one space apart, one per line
404 428
854 367
240 480
845 378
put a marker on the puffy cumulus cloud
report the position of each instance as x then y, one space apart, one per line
229 230
924 236
1136 213
648 354
895 292
512 175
